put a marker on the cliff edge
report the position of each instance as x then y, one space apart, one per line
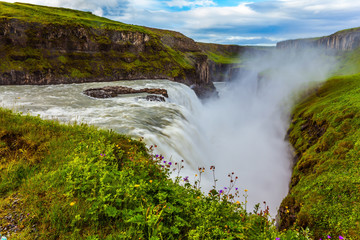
343 40
44 45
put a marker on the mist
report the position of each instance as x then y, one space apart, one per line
245 127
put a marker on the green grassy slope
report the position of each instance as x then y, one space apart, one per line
325 133
51 15
77 182
222 54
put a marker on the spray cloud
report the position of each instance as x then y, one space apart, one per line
246 127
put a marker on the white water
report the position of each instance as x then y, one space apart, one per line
243 131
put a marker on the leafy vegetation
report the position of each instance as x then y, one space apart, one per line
77 182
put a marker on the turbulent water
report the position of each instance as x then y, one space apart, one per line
242 131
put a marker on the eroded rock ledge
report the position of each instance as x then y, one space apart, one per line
113 91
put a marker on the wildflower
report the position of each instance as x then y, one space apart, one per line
136 185
164 162
198 197
328 237
245 190
169 163
186 179
157 155
150 181
237 202
195 175
340 237
236 189
221 191
277 238
72 203
225 188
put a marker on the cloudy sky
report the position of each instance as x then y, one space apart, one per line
256 22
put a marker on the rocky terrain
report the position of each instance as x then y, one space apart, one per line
113 91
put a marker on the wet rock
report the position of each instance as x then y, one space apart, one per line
154 98
113 91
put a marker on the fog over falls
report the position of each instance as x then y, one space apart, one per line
246 127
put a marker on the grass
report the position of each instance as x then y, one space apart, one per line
325 133
62 16
222 54
78 182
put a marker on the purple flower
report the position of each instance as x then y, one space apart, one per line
225 188
169 163
277 238
236 188
340 237
164 161
221 191
186 179
329 236
157 155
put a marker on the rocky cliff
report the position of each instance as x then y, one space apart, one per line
342 40
42 45
226 62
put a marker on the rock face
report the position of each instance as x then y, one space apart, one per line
226 62
113 91
341 41
71 52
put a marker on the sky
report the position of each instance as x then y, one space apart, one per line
242 22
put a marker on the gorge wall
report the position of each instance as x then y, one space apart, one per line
342 40
227 62
88 48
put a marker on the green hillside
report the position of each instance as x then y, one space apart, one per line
51 15
325 132
44 45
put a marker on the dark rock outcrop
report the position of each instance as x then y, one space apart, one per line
154 98
341 41
113 91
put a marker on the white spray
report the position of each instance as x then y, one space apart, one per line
245 128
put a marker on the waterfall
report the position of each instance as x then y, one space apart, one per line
242 131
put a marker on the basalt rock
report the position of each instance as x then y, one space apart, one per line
113 91
154 98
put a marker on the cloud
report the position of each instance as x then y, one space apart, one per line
201 19
187 3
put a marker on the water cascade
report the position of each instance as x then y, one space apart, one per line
242 131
